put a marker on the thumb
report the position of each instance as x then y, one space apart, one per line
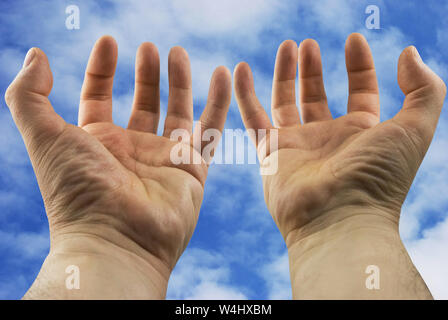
425 93
27 99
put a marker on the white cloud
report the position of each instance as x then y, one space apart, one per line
15 286
214 291
331 16
430 256
203 275
426 196
25 245
276 277
10 62
238 17
222 34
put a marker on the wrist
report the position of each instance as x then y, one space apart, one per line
332 260
112 267
341 220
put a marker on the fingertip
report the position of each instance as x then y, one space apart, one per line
35 54
147 49
221 84
177 53
106 46
252 113
358 55
357 48
179 70
242 70
147 63
409 54
32 113
355 38
308 44
289 46
243 78
29 57
288 50
415 53
413 73
408 67
356 42
103 57
107 42
286 61
222 74
222 70
241 67
309 56
35 75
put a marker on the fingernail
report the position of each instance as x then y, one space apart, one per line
29 57
417 54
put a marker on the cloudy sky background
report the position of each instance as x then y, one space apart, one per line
236 251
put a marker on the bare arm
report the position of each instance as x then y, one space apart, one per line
118 208
337 194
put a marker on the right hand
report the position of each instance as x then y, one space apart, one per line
330 169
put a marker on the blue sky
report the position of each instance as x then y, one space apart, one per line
236 251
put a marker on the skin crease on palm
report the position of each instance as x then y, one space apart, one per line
100 181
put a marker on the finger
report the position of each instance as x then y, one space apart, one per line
96 92
363 86
146 106
180 100
425 93
313 100
284 107
252 112
214 115
27 98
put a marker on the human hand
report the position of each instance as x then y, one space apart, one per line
327 165
337 194
110 191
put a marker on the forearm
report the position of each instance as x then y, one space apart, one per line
332 261
105 270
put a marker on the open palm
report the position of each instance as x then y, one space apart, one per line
100 179
325 164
